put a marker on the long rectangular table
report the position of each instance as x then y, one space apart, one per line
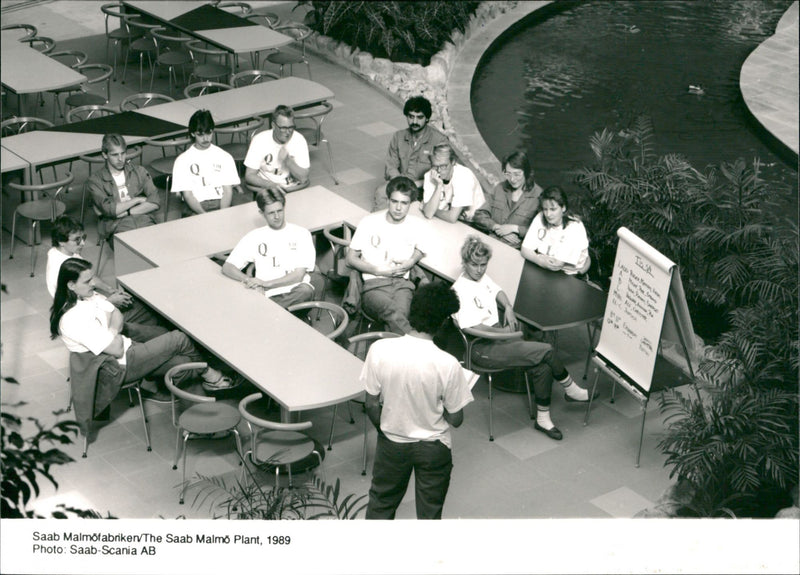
167 266
211 24
44 147
28 71
207 234
289 360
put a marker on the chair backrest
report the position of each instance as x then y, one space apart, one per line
268 19
96 73
178 142
207 87
339 236
359 344
72 58
244 129
88 112
316 114
168 39
297 31
200 47
139 24
261 423
144 99
43 44
242 8
250 77
30 30
337 314
23 124
57 186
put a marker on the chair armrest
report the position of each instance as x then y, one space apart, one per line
477 332
265 423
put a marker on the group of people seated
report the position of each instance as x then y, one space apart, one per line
94 318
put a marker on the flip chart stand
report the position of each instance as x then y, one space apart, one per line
619 378
644 285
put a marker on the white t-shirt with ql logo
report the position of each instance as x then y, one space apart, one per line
262 155
276 253
478 301
381 242
204 172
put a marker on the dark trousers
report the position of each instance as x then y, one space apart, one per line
431 462
539 359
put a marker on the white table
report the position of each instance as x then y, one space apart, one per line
207 234
167 265
293 363
24 70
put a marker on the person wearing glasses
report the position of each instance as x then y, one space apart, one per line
450 191
509 210
277 159
410 150
69 239
204 174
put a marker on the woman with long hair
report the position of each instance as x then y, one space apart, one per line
508 212
557 239
87 322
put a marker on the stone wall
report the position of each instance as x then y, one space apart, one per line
400 80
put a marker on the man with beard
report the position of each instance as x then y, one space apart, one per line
410 150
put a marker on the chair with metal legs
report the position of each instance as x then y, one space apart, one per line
118 36
274 445
38 210
204 417
471 335
313 133
170 52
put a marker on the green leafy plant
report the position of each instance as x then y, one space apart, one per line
251 500
400 31
736 443
25 460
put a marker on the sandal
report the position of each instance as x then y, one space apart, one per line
224 382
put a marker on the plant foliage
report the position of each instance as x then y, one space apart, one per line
401 31
25 460
251 500
737 443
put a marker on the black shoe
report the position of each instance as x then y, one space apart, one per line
569 399
552 433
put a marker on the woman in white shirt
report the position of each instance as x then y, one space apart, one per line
479 297
87 322
557 239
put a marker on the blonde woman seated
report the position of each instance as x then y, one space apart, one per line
479 296
557 239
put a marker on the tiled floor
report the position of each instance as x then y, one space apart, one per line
522 473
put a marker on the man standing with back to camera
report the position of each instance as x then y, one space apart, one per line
415 392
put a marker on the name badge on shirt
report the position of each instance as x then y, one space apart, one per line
124 196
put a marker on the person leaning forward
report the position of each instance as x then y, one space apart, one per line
410 150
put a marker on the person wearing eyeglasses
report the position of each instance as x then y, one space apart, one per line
278 159
450 191
204 174
411 150
69 239
513 203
